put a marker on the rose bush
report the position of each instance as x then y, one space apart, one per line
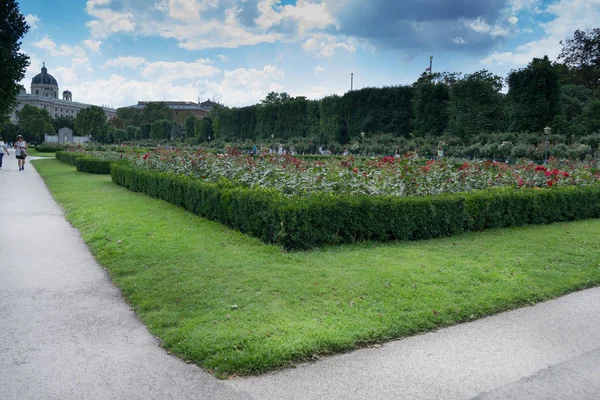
404 176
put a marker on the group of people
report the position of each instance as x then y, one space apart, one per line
20 147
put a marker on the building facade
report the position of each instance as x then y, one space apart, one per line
44 95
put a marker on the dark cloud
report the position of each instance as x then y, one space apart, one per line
418 24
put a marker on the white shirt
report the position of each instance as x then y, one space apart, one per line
2 147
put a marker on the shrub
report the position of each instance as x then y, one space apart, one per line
302 223
49 147
68 157
92 165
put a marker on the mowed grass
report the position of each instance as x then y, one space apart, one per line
33 152
234 305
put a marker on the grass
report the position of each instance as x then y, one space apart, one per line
234 305
34 152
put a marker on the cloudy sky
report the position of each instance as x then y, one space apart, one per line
116 52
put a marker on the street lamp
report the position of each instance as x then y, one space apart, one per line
547 131
209 140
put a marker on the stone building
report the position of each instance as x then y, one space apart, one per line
44 95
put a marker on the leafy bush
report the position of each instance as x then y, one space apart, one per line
49 147
92 165
68 157
302 223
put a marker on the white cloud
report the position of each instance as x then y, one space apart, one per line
204 24
125 62
318 69
326 45
458 40
108 21
33 21
243 86
237 88
169 71
93 45
223 57
513 20
58 51
569 15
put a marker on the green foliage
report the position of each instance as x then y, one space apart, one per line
430 105
276 98
119 135
533 96
92 165
35 122
49 147
64 122
189 127
476 105
331 219
92 121
155 111
14 64
130 116
68 157
161 129
581 54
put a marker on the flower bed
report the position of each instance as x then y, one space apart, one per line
387 176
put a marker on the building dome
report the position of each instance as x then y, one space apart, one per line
44 78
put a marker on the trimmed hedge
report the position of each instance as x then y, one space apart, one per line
68 157
92 165
329 219
46 147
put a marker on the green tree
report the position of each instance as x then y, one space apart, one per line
10 131
276 98
189 126
92 121
177 132
581 53
161 129
63 122
131 132
431 96
476 105
533 96
205 129
119 135
130 116
155 111
14 64
35 123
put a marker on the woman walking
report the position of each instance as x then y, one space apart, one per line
2 149
21 152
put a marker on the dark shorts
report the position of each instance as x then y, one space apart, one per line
21 157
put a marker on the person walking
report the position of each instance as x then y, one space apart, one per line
21 152
3 148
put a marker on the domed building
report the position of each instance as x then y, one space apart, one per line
44 95
44 84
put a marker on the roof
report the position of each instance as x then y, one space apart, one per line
44 78
173 105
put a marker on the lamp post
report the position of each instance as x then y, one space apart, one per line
209 140
547 131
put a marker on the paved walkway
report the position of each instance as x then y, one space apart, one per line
66 333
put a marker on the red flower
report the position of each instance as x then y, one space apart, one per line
550 183
355 170
146 156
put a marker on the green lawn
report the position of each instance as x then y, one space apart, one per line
34 152
234 305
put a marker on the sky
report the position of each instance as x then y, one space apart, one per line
118 52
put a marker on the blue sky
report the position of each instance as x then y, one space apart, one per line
116 52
